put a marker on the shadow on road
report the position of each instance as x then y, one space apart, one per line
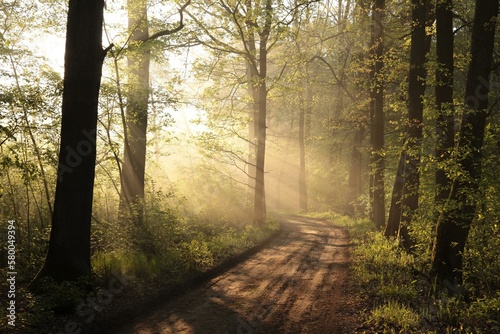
299 283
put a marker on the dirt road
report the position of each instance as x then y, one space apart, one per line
299 283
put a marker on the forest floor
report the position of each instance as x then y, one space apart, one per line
299 283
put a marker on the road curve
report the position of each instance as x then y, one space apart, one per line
299 283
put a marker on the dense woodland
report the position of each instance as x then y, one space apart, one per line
157 138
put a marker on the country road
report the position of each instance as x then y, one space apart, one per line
299 283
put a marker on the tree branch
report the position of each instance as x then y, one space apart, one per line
341 84
168 32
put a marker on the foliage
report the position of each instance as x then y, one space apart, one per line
404 299
179 243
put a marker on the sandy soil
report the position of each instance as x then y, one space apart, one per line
299 283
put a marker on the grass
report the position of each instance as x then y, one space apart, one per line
394 317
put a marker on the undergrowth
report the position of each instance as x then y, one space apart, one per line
181 247
403 298
178 248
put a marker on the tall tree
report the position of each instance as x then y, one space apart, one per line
455 220
136 123
259 211
377 114
405 193
134 160
256 52
444 96
68 256
254 30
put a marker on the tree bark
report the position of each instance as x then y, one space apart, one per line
455 220
406 190
395 210
377 115
68 256
444 97
259 199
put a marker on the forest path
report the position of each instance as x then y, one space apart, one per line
299 283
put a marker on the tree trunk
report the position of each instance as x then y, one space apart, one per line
260 210
455 220
377 113
259 199
406 191
68 256
395 210
356 171
134 161
444 97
